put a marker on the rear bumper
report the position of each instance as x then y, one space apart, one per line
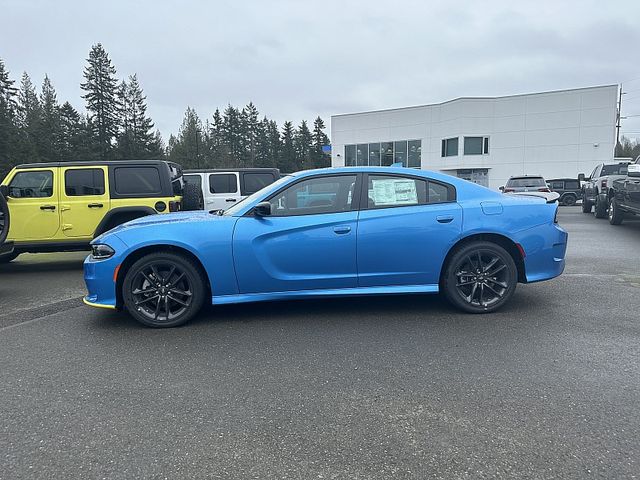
545 248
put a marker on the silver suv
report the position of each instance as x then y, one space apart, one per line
525 183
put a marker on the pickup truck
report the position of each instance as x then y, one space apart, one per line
597 190
626 195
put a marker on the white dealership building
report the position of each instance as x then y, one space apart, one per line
556 134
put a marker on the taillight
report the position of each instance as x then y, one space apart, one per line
507 190
174 206
604 183
544 189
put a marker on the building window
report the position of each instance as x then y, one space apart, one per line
362 155
406 152
476 145
450 147
349 155
374 154
415 153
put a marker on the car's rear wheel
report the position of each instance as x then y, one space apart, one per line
163 290
480 277
569 200
600 209
586 205
616 216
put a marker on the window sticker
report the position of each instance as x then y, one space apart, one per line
394 191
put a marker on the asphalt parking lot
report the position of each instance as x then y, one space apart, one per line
393 387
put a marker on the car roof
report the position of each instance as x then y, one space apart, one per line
230 170
90 163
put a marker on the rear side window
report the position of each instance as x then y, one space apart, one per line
256 181
34 184
395 191
85 181
137 181
223 183
571 184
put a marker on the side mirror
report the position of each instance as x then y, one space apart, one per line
581 177
501 188
263 209
633 170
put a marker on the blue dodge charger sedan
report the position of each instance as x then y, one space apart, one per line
331 232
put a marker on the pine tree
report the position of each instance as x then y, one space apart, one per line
287 160
275 143
302 142
231 154
8 129
186 148
135 137
50 123
75 137
101 87
215 140
29 120
250 132
320 139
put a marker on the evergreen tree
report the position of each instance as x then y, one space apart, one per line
75 140
29 122
262 144
302 141
320 139
231 152
275 143
101 86
288 158
250 132
186 148
50 134
8 129
135 138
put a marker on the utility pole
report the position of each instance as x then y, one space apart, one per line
618 117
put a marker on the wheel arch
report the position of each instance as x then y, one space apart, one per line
114 213
156 248
505 242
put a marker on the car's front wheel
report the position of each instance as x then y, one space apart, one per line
480 277
163 290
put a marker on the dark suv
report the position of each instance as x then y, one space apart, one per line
568 189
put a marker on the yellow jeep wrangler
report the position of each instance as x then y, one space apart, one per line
63 206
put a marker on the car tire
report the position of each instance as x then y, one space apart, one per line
586 205
8 257
192 198
5 219
616 216
163 290
569 200
600 209
480 277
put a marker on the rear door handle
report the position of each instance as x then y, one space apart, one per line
47 207
444 218
341 230
230 200
95 205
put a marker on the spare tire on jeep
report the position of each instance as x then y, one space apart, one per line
4 219
192 198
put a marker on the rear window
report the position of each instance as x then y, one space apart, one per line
223 183
619 169
526 182
137 181
256 181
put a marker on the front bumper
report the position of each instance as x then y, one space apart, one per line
100 279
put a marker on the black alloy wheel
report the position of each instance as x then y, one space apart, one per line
163 290
480 277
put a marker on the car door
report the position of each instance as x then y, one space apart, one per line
406 226
590 186
223 190
84 200
632 193
308 241
33 205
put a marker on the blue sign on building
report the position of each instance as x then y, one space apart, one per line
326 149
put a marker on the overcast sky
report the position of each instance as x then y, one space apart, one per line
298 59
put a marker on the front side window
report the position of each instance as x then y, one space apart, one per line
193 180
450 147
137 181
223 183
557 185
34 184
321 195
83 182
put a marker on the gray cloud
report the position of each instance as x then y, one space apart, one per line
297 59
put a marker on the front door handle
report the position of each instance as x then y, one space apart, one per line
95 205
230 200
341 230
444 218
47 207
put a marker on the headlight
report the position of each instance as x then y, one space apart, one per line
101 251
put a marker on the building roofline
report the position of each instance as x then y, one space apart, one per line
475 98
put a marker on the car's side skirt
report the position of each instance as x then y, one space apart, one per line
336 292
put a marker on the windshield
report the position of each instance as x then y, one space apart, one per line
526 182
240 205
619 169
